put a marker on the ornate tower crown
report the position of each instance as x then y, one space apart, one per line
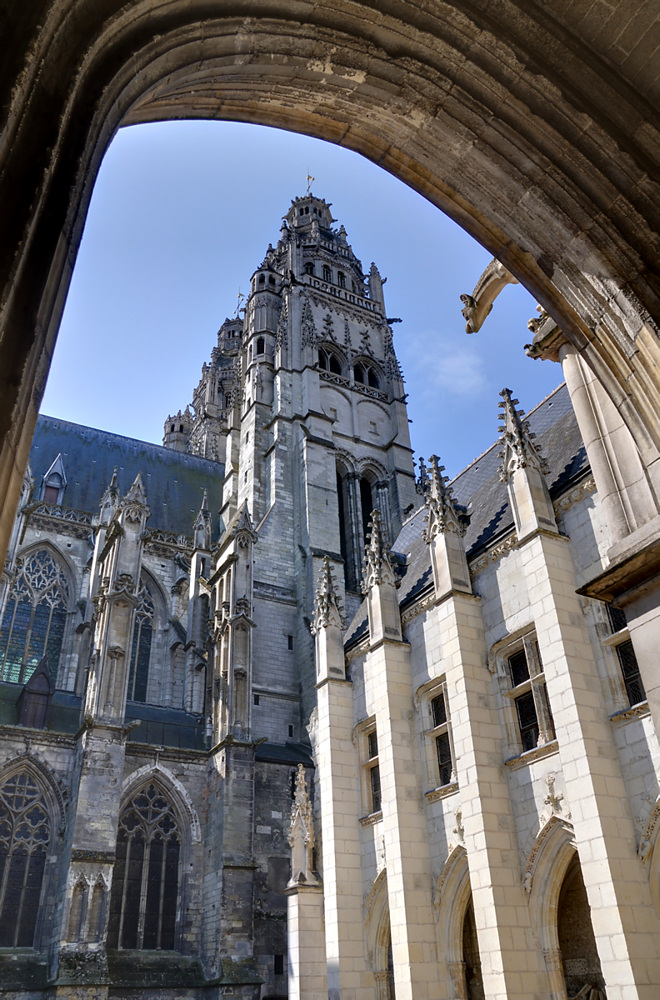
307 210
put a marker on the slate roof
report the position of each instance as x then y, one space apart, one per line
174 481
557 434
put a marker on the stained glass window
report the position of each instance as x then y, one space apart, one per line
24 839
145 883
141 646
34 619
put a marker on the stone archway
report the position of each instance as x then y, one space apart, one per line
530 128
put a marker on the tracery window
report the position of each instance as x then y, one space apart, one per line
138 676
25 832
145 884
34 619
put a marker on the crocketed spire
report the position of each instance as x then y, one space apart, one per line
442 513
519 450
202 527
327 609
378 567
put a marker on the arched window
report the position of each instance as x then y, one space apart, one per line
35 616
335 364
260 345
366 506
358 373
323 359
341 279
327 273
372 378
262 279
145 883
309 267
138 675
25 832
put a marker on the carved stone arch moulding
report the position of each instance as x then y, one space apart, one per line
377 922
451 898
345 461
56 792
133 781
158 596
371 469
68 569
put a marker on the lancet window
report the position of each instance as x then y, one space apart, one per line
329 362
25 834
145 884
35 617
138 677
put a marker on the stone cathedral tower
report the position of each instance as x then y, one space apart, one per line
303 402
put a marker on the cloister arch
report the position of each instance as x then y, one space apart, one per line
529 127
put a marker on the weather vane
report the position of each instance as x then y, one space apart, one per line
310 180
241 298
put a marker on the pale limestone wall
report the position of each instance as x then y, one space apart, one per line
533 784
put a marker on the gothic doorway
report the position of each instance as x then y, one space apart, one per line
474 987
577 944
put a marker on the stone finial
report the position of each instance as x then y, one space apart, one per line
442 514
110 498
134 504
202 528
137 492
519 450
378 568
327 609
243 530
301 834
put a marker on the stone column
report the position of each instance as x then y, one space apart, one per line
623 487
347 973
388 686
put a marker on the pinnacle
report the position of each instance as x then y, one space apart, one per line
444 514
137 492
377 562
517 438
327 608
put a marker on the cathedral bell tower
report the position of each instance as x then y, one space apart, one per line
303 401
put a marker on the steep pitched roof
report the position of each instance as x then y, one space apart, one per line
479 485
174 482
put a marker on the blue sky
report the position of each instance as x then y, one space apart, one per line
181 216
